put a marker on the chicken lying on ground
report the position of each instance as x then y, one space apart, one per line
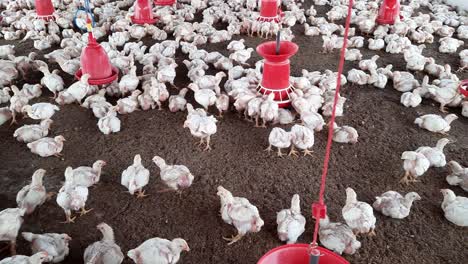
176 177
394 205
358 215
344 134
11 220
455 208
135 177
56 245
436 123
105 251
31 133
34 194
240 213
20 259
158 250
458 175
291 223
436 154
88 176
72 197
338 237
46 147
40 111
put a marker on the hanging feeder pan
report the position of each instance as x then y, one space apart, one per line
299 254
463 88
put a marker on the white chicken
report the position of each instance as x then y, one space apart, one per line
269 109
240 213
345 134
88 176
370 64
30 133
158 250
104 251
128 104
436 123
5 95
178 102
242 56
135 177
37 258
455 208
110 123
129 82
279 138
449 45
52 80
176 177
358 77
313 120
56 245
458 175
46 147
415 165
40 111
11 220
5 115
201 125
205 97
303 139
358 215
436 154
236 45
338 237
291 223
79 89
394 205
33 194
404 81
72 197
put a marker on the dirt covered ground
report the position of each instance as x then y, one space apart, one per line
238 162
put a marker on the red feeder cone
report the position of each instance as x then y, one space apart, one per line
276 70
463 88
45 9
270 11
164 2
299 254
389 12
143 13
94 61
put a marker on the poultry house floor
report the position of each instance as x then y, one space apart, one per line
238 162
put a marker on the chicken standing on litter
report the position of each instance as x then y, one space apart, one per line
88 176
201 125
240 213
415 165
279 138
34 194
105 251
291 223
176 177
72 197
56 245
11 220
135 177
158 250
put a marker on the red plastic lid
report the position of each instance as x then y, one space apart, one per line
164 2
298 254
113 77
463 87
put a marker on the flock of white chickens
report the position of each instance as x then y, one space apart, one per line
311 101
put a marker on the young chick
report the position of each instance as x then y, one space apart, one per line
158 250
455 208
34 194
458 175
436 123
11 220
135 177
338 237
46 147
176 177
104 251
291 223
394 205
240 213
358 215
56 245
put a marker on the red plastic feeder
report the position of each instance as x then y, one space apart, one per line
299 254
276 70
143 13
164 2
45 9
463 87
270 11
389 12
94 61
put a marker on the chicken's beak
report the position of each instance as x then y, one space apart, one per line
187 248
